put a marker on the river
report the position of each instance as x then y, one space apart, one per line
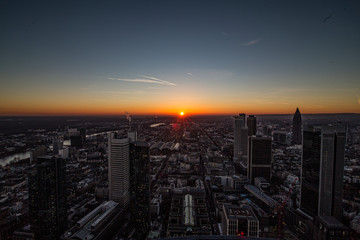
19 156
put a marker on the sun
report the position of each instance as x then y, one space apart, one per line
182 113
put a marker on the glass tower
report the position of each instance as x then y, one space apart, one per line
47 198
140 188
322 171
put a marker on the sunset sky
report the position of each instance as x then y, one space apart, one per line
163 57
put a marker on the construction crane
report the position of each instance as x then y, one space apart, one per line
280 210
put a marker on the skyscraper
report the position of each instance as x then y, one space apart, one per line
259 158
47 198
310 170
57 145
239 122
140 188
297 123
251 124
119 168
322 171
243 149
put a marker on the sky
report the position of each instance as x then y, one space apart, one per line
163 57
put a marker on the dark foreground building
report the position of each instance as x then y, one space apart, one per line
322 171
47 198
140 188
327 227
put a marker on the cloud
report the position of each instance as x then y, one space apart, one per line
123 92
145 79
316 106
190 74
224 34
252 42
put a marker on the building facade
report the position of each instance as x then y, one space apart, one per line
47 198
140 188
322 171
251 124
119 169
259 158
239 123
239 220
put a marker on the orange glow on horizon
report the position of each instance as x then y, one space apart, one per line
31 108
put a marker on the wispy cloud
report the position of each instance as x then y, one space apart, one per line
123 92
252 42
145 79
190 74
316 106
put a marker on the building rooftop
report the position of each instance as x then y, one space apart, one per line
213 237
261 195
239 212
141 144
331 222
87 227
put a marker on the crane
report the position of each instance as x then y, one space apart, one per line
280 210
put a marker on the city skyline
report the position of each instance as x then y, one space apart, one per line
72 58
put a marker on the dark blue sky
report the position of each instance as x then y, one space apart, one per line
224 56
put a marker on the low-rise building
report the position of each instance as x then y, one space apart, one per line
239 220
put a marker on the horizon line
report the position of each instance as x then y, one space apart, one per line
163 114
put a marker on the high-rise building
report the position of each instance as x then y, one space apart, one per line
82 132
119 168
279 137
57 145
239 123
76 141
251 124
297 124
259 158
47 198
243 154
310 170
140 188
322 171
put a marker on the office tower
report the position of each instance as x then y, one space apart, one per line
243 146
267 130
322 171
37 152
140 188
47 198
83 134
57 145
297 137
259 158
119 168
239 122
251 124
279 137
310 170
76 141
